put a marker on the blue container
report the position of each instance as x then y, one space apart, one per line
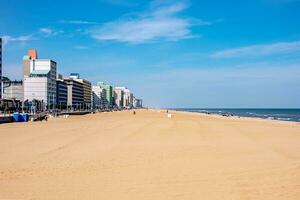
16 116
23 117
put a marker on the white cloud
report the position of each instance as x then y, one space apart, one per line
259 50
160 22
81 47
81 22
47 32
22 38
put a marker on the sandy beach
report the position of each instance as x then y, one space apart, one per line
121 156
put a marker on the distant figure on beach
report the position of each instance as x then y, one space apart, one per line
134 112
167 111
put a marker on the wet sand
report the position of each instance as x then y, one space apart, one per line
149 156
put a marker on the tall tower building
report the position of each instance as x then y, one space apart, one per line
26 66
109 92
0 68
31 56
87 88
39 79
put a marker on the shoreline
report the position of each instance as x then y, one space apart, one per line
234 116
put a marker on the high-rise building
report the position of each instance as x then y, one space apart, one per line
87 88
137 103
14 91
28 61
109 92
75 93
39 77
26 66
61 92
98 97
41 82
119 96
1 68
127 97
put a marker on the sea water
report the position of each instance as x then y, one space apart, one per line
274 114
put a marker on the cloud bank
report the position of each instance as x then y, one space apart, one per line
159 22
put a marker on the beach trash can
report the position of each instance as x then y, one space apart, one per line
23 117
16 116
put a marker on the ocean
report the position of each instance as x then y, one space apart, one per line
274 114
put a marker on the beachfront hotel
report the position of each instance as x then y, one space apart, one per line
118 96
87 88
61 92
39 79
75 93
124 97
109 92
98 97
137 103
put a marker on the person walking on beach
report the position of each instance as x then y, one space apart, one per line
134 112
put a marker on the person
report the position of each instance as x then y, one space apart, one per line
167 111
134 112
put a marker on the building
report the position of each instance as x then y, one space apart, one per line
98 97
127 101
75 93
41 85
119 97
109 92
39 77
87 89
1 68
28 61
14 91
137 103
128 98
61 92
41 82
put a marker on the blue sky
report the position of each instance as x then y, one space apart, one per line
170 53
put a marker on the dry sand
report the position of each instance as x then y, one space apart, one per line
149 156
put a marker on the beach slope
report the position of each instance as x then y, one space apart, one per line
150 156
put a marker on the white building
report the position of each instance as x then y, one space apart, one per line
41 82
119 96
14 91
127 97
137 103
98 97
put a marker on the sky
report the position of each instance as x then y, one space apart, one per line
179 53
